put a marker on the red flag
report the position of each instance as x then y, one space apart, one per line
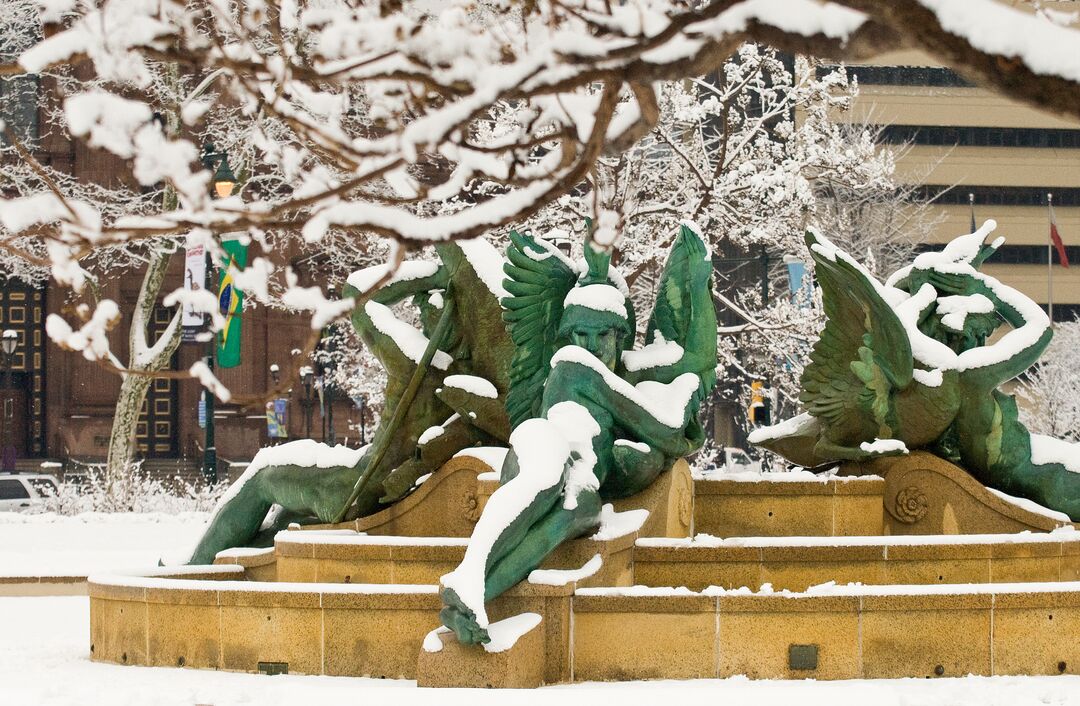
1055 237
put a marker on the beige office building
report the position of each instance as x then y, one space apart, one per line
1007 155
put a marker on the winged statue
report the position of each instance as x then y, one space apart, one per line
445 391
862 383
592 418
910 364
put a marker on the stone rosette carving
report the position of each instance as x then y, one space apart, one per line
910 505
470 505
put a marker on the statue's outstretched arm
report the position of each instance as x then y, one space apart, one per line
991 365
382 345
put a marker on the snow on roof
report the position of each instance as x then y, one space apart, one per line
598 297
366 278
408 338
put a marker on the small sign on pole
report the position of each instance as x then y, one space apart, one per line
194 321
277 420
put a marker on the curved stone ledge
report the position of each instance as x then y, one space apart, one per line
810 561
851 632
200 620
767 507
351 558
927 495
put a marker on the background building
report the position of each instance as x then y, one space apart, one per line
969 142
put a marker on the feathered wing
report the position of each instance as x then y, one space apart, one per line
684 310
863 354
538 279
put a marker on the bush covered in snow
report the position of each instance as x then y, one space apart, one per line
131 490
1050 392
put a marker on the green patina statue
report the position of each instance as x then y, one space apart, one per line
907 365
445 391
592 420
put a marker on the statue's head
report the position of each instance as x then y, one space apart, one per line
977 328
590 320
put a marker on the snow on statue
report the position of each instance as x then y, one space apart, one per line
907 365
442 395
592 421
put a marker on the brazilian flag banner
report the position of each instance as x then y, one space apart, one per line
231 301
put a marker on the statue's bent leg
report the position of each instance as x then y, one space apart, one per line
542 538
317 492
1051 485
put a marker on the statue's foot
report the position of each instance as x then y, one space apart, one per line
459 618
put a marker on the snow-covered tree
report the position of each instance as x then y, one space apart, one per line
375 113
1050 392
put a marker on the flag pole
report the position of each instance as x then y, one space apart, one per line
1050 264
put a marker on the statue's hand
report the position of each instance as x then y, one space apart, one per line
949 283
459 618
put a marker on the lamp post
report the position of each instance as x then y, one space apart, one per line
329 350
307 376
8 342
223 182
361 404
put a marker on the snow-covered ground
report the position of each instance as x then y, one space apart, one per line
44 650
44 662
50 544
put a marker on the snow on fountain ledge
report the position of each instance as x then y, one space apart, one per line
492 456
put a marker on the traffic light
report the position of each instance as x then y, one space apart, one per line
760 412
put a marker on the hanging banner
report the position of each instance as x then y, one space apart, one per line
277 418
802 289
193 322
231 301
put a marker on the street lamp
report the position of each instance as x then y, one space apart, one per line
223 183
9 340
361 404
275 373
307 376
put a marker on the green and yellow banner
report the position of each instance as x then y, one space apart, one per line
231 301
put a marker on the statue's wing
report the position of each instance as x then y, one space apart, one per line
475 270
538 279
863 353
684 310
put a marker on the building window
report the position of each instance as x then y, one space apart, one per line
979 136
998 195
900 75
1019 255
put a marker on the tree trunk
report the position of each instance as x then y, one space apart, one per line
142 358
122 446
